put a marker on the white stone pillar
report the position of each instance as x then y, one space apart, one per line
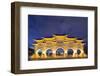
65 53
82 54
75 53
54 53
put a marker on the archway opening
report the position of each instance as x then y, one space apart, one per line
40 52
59 52
49 52
78 51
70 52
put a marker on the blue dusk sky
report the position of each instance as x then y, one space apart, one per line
45 26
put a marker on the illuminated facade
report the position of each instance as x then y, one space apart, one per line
58 46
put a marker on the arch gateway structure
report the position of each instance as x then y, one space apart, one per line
58 46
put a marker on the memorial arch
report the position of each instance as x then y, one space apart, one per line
58 46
